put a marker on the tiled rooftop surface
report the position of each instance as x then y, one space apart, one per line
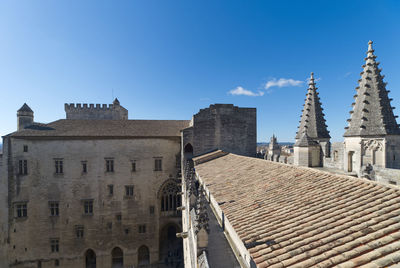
105 128
289 216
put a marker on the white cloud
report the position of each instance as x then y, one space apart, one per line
283 82
242 91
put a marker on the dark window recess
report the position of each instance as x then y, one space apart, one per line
142 229
79 231
118 217
54 208
22 210
152 210
56 262
54 245
157 164
393 182
129 190
110 165
84 167
110 189
23 167
109 225
88 207
25 148
133 166
59 166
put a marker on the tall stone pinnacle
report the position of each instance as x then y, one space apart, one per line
372 114
312 120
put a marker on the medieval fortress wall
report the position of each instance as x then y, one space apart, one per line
96 111
225 127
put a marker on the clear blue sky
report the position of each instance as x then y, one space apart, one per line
168 59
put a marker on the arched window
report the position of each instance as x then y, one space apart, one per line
170 200
143 256
90 259
117 258
188 151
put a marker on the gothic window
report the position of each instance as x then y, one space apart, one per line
335 155
158 164
59 166
54 245
110 189
169 198
88 207
129 190
21 210
23 167
110 165
79 231
142 229
84 166
54 208
133 166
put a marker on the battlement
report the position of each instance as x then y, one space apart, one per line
92 111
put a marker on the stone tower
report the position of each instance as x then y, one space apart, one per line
312 138
372 136
274 150
24 117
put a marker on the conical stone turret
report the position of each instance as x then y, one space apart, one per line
312 120
372 114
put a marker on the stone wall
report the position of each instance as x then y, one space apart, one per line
3 213
387 175
225 127
92 111
29 238
336 157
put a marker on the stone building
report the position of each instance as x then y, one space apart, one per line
274 150
312 138
371 146
100 190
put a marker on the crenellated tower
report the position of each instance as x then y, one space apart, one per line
86 111
373 135
312 138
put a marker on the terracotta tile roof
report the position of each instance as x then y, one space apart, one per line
289 216
105 128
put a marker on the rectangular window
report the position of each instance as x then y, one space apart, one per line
142 229
23 167
79 231
110 189
58 163
25 148
88 207
133 166
54 245
118 217
54 208
110 165
84 167
21 210
392 182
152 210
157 164
129 190
56 262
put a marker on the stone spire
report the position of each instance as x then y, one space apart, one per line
372 114
312 120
